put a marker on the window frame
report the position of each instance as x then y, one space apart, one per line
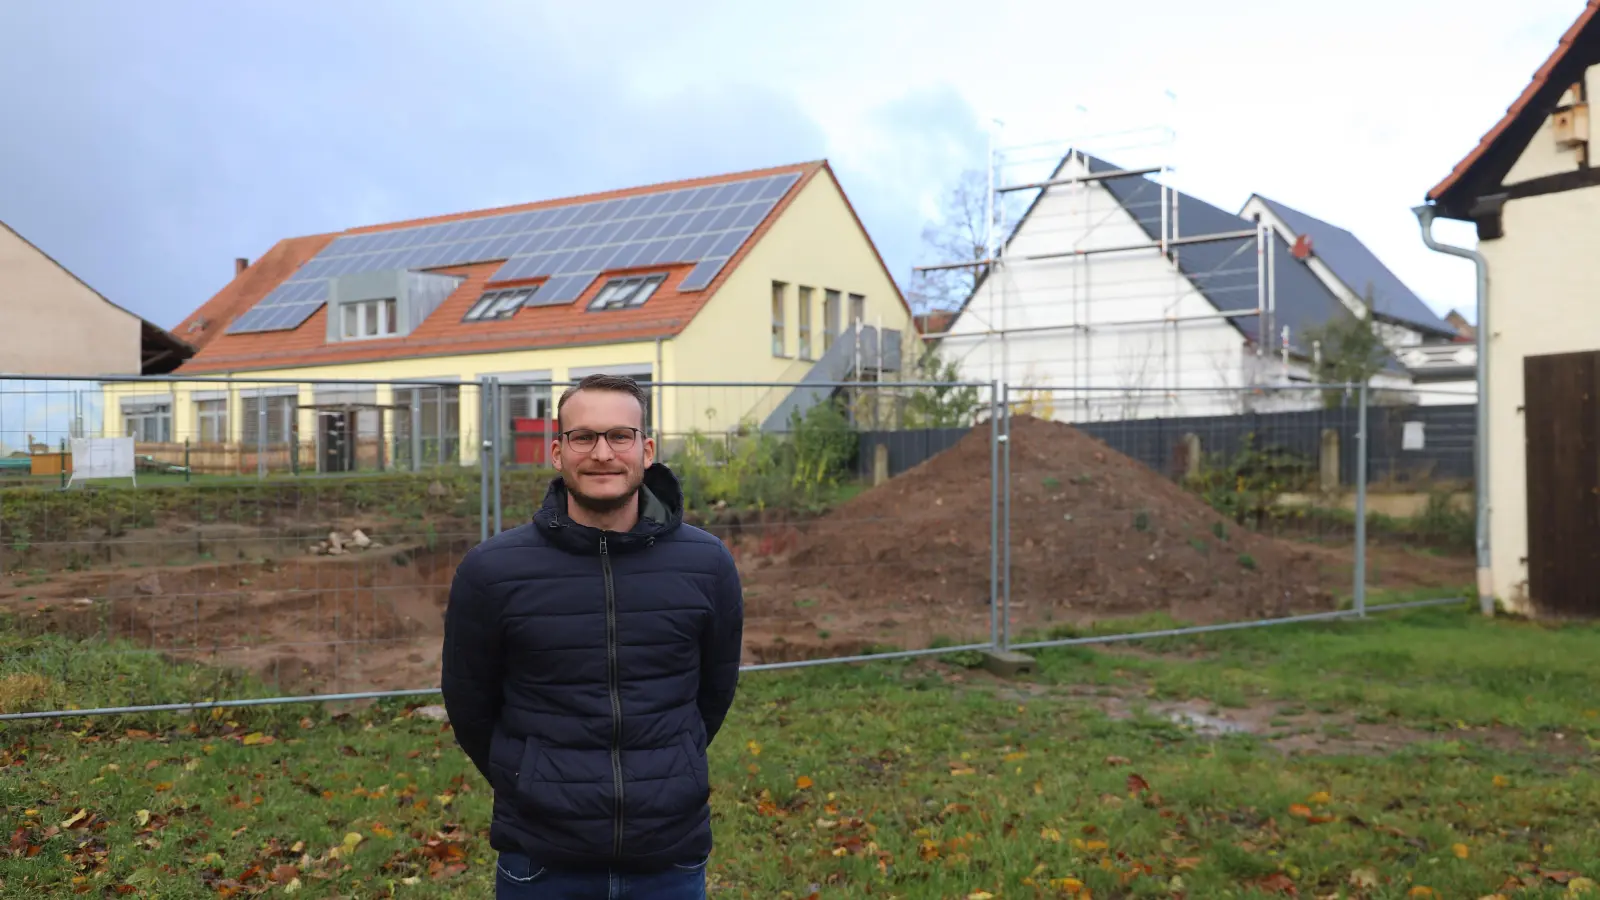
780 330
500 303
627 292
374 318
831 303
803 321
212 414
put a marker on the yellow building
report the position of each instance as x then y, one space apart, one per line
755 277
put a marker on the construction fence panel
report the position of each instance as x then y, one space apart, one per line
838 560
1242 515
180 541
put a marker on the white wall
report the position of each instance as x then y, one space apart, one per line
1122 362
1543 274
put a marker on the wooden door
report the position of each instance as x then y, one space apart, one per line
1561 412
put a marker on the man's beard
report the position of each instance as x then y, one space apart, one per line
604 505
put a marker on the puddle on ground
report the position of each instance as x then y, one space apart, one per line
1187 715
1205 725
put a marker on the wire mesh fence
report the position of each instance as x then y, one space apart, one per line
158 550
177 555
169 541
1257 510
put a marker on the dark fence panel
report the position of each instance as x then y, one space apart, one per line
1439 446
906 449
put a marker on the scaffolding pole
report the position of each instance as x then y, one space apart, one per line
1082 179
1084 326
1090 251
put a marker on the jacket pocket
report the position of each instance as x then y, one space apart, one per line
528 767
697 762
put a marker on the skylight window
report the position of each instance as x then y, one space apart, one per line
628 292
499 304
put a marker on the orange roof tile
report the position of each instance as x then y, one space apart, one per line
1540 80
443 333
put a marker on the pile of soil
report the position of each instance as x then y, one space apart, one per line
1094 533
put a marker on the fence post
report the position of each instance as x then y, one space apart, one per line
485 449
499 417
995 437
188 470
261 432
1005 538
1361 503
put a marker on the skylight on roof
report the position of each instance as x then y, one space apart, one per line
499 304
628 292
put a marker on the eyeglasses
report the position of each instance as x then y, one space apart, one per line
583 440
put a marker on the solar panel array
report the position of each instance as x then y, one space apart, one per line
570 245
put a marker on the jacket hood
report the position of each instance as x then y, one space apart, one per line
660 513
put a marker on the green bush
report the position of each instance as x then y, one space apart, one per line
751 468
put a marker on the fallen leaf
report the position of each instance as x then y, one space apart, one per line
754 748
803 783
1364 878
253 738
1421 891
1278 883
1501 781
76 819
142 818
1460 850
1579 886
1117 760
1050 834
980 895
163 787
1320 798
1137 784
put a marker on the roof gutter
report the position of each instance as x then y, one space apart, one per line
1425 215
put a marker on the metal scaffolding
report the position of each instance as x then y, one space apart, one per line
1001 312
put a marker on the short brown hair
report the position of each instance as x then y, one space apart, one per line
622 384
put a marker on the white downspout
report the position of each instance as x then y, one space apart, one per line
1425 216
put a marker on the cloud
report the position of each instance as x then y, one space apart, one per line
149 164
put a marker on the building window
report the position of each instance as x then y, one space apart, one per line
281 426
858 309
212 416
147 421
779 338
499 304
368 319
427 425
830 318
803 322
626 293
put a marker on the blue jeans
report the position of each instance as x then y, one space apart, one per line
517 878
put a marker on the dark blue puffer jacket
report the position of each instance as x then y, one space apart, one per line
586 672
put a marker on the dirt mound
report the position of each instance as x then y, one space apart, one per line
1093 533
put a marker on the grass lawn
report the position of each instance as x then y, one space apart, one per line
1431 754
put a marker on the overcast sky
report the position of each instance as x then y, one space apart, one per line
145 145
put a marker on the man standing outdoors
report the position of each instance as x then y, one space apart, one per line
590 657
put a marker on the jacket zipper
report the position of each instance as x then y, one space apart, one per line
614 684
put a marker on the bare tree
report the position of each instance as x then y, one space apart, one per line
957 236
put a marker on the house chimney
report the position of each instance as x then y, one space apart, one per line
239 265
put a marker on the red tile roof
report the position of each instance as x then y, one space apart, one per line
443 333
1540 81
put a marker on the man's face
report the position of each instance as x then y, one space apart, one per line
602 477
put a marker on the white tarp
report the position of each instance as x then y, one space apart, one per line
102 458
